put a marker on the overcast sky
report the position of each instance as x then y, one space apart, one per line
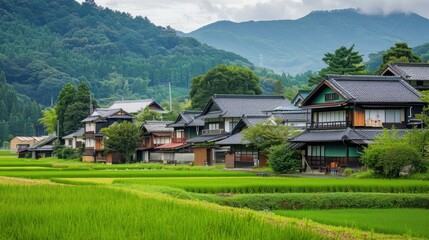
189 15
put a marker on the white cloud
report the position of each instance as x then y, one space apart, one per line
188 15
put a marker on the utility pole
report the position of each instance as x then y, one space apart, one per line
169 89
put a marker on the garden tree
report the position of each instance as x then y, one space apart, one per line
267 134
121 137
78 110
49 120
279 88
390 153
425 116
398 53
65 99
284 160
343 61
223 79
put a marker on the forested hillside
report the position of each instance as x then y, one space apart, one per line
18 114
298 45
45 44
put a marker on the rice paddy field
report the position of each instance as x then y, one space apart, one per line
56 199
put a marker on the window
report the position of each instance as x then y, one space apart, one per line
332 116
331 97
89 143
419 83
162 140
90 127
213 126
316 151
393 116
180 133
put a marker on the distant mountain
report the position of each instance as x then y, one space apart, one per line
45 44
298 45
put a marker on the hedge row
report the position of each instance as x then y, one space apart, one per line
279 201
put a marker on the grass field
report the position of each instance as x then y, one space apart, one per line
412 222
57 199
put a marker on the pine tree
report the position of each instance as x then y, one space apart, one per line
344 61
398 53
279 88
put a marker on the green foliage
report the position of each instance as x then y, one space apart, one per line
223 79
344 61
422 51
267 134
389 153
284 160
295 201
279 88
425 116
398 53
18 114
5 145
49 120
406 222
348 172
121 137
65 99
78 109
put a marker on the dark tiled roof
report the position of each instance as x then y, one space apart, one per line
157 126
188 119
78 133
45 144
100 114
239 105
234 139
207 138
293 116
348 134
302 94
373 89
411 71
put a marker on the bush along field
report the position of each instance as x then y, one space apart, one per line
56 199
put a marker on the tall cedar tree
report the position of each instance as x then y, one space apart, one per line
65 99
398 53
78 110
223 79
121 138
343 61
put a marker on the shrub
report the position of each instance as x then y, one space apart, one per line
284 160
389 154
348 172
389 160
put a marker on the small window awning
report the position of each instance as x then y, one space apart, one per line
162 134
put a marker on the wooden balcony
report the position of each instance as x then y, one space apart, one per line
212 131
329 125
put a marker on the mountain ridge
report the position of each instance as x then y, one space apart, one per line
281 41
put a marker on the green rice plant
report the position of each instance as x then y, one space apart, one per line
285 185
293 201
74 212
403 221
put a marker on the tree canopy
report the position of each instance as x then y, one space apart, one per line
223 79
78 110
121 137
343 61
398 53
267 134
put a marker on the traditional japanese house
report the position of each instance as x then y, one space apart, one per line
221 115
154 134
186 126
416 74
299 97
42 149
75 139
20 143
94 138
242 153
347 113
